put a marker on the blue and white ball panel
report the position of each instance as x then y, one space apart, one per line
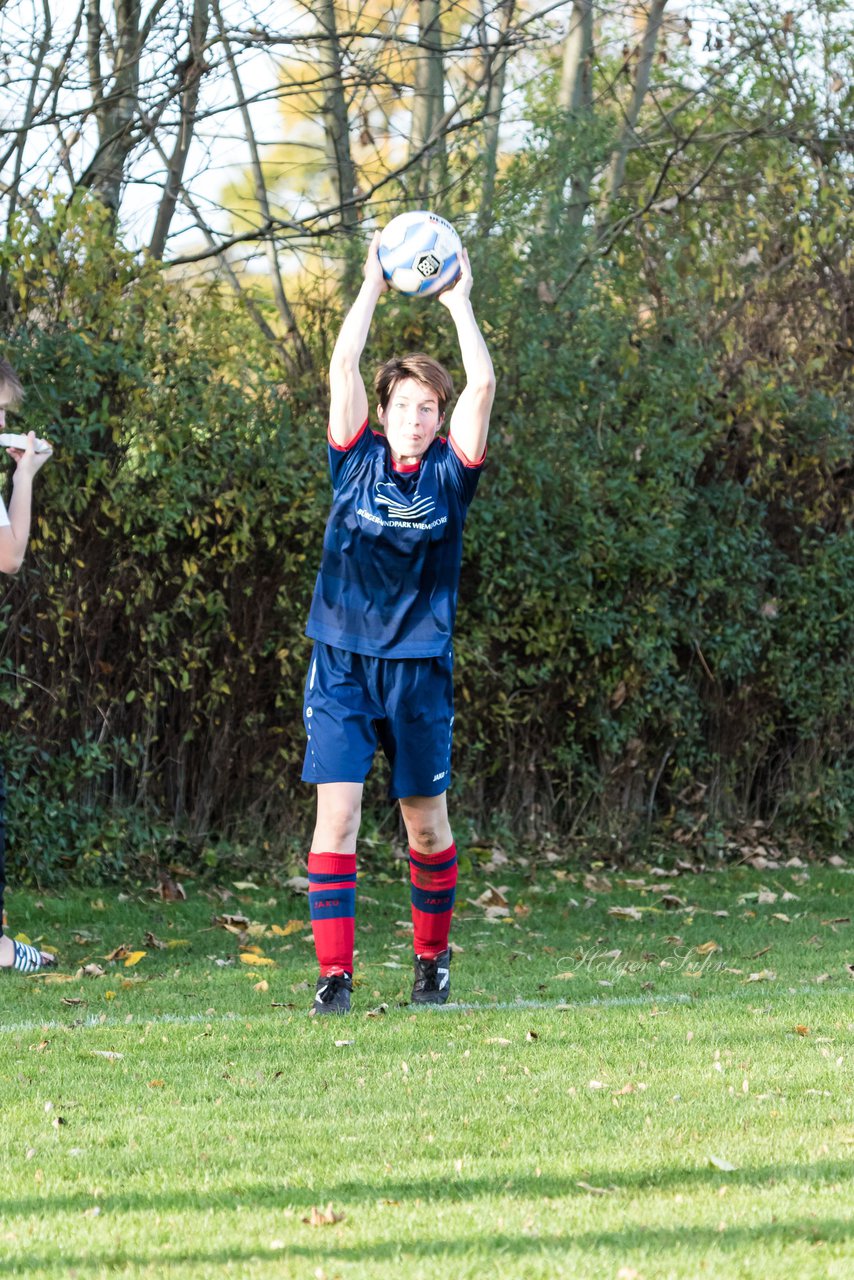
420 253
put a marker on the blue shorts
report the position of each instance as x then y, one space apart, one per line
405 705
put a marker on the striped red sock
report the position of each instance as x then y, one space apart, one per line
332 906
434 882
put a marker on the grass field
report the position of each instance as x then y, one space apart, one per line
663 1093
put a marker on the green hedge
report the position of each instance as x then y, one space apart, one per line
655 608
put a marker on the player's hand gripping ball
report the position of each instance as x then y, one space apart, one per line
420 253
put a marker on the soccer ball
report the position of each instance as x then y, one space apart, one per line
420 253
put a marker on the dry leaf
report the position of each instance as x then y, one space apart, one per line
91 971
801 1030
169 890
718 1162
625 913
597 884
497 1040
707 948
119 953
263 985
107 1053
235 923
152 941
293 926
255 961
134 958
764 975
324 1217
595 1191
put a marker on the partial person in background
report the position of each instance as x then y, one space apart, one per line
14 536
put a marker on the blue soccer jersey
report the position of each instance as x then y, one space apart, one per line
390 571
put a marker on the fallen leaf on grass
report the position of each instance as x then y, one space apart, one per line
707 948
299 884
781 915
766 896
595 1191
72 1000
169 890
764 975
491 897
625 913
247 957
119 953
91 971
597 884
324 1217
134 958
261 986
497 1040
233 923
243 885
156 1084
849 969
718 1162
293 926
801 1030
107 1053
152 941
671 902
596 1084
562 977
532 1035
837 920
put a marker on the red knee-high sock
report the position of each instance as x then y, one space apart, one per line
434 884
332 906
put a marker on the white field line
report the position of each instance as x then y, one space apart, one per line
94 1021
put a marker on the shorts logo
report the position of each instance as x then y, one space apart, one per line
398 506
437 777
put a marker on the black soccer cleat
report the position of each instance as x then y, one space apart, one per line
333 994
432 979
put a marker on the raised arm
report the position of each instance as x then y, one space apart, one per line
470 419
15 536
348 399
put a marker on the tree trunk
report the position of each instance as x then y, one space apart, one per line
496 74
428 106
617 166
191 73
336 130
116 108
575 97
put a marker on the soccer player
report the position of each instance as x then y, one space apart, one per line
382 619
14 536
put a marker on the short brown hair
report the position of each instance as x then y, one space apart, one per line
10 380
418 366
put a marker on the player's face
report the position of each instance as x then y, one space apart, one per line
411 419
